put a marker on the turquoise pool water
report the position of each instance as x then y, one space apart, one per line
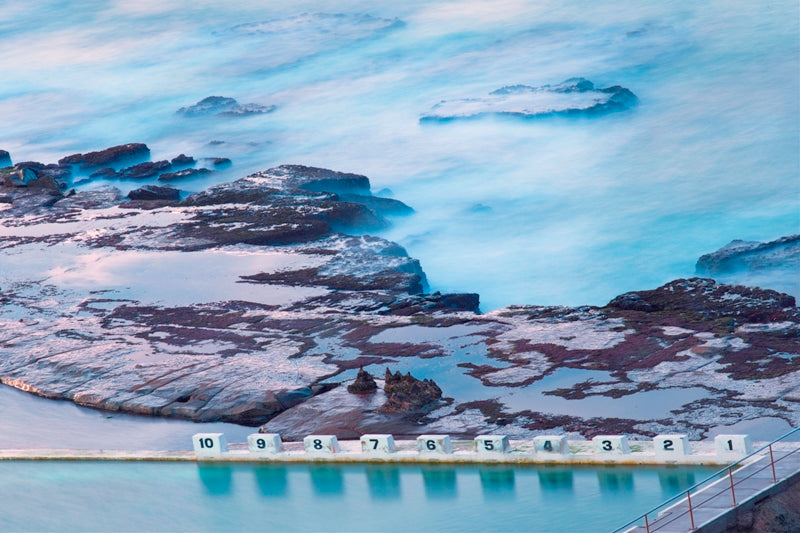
106 496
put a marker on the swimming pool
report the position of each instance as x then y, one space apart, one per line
148 496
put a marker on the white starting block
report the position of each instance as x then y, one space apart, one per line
321 444
550 444
209 444
738 445
615 444
378 444
670 446
264 443
434 444
492 444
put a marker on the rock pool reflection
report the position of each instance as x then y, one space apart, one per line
162 496
384 482
327 481
217 479
614 480
497 482
440 481
271 480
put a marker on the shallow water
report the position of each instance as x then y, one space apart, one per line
554 211
191 497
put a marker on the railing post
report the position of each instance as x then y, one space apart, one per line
772 463
691 514
646 524
733 493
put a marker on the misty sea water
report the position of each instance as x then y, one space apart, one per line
217 497
559 210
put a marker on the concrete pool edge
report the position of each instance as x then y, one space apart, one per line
351 454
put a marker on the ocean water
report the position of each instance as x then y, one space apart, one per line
558 210
218 497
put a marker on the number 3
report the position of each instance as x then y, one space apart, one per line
607 445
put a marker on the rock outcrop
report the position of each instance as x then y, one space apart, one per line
363 384
407 394
262 307
223 106
5 159
574 97
116 156
748 255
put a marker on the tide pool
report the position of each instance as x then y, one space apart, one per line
106 496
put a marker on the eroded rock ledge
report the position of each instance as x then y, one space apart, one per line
307 299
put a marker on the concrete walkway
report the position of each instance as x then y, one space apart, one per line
715 499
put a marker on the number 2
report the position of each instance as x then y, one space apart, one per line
668 445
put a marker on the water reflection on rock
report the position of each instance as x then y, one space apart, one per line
555 479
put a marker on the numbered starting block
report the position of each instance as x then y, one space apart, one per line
209 444
550 444
428 444
615 444
738 445
492 444
265 443
378 444
671 446
321 444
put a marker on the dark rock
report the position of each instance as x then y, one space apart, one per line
220 162
363 384
460 302
633 301
153 192
5 159
221 105
324 180
185 174
405 393
740 255
183 160
105 173
114 156
18 177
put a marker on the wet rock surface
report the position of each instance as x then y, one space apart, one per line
257 301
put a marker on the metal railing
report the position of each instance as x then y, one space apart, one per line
673 509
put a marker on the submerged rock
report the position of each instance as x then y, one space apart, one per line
576 96
223 106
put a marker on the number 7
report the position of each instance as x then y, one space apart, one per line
374 443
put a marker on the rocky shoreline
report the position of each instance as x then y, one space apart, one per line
308 297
